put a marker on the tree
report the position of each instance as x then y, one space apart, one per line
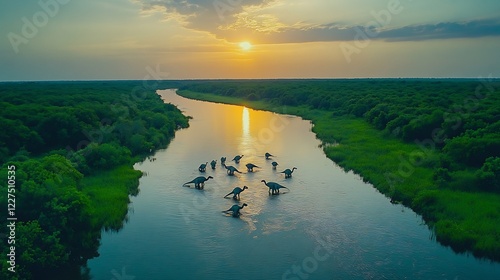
489 174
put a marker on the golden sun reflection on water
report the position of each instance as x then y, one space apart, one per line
246 145
245 119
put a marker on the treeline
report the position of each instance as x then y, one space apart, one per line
56 134
458 118
37 118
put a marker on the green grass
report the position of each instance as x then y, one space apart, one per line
109 194
465 221
223 99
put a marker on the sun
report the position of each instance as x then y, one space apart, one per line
246 46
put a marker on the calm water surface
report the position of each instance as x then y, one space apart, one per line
330 225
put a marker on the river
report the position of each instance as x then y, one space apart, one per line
328 225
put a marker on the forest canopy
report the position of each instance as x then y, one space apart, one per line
62 138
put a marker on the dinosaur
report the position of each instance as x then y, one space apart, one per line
236 192
251 166
213 163
274 164
203 167
223 160
274 188
199 182
237 158
267 155
288 172
231 169
235 209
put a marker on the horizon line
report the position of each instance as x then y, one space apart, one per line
255 79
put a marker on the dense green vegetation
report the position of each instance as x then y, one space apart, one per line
73 145
433 145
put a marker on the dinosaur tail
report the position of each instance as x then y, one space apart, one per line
190 182
228 194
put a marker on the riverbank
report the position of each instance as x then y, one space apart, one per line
109 193
465 221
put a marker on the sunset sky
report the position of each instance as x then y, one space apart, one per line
190 39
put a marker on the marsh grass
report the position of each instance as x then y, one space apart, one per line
109 194
466 221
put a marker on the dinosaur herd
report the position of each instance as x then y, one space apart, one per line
274 188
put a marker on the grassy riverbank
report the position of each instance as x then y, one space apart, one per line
468 221
109 194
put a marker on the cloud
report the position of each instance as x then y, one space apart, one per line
444 30
236 20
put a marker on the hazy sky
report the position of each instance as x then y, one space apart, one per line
184 39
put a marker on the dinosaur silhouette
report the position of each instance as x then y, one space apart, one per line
237 158
274 188
203 167
274 164
251 166
236 192
213 163
267 155
199 182
223 160
231 169
235 209
288 172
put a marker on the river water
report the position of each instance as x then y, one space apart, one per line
329 225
